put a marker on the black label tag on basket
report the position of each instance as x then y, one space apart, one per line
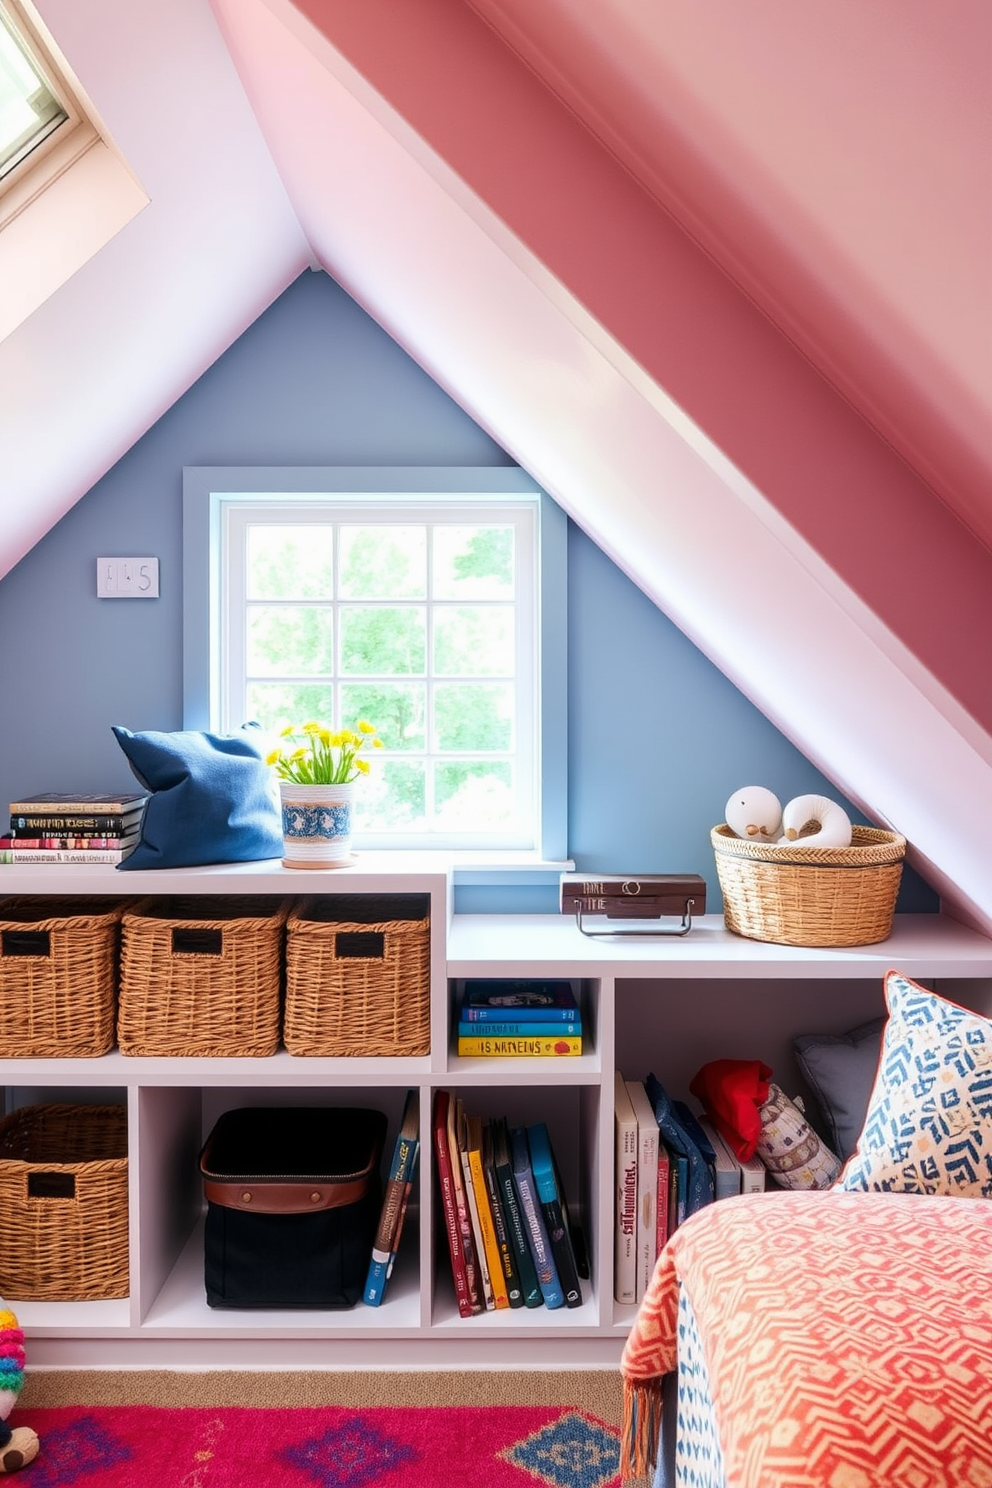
196 941
360 945
51 1185
26 943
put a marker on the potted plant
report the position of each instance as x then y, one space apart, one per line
316 768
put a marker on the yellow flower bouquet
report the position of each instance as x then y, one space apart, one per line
315 755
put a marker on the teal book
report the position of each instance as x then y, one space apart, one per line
533 1215
554 1210
513 1029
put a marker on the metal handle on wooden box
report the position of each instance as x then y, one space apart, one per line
684 927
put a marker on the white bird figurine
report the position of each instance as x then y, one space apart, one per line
754 812
831 825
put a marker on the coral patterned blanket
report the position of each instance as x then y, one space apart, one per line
847 1338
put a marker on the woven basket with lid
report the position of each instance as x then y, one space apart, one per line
805 895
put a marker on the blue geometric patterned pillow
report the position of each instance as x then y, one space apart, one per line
929 1122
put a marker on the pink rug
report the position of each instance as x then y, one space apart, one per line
136 1446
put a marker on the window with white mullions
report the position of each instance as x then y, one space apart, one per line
419 615
30 108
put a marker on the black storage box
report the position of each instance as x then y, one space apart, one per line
293 1198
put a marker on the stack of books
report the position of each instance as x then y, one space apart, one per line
519 1019
511 1238
668 1163
73 827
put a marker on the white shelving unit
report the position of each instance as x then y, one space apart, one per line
666 1004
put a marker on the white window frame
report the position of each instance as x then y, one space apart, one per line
216 496
32 175
66 199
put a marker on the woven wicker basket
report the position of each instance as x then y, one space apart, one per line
58 976
63 1197
358 975
810 896
202 976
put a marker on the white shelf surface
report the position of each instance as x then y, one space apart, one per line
553 946
275 1071
62 1319
181 1311
373 872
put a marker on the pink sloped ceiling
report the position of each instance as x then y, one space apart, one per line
754 388
530 272
834 160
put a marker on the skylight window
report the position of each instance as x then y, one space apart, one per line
30 110
65 188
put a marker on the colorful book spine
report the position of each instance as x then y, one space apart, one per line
553 1209
494 1260
520 1001
442 1163
565 1047
478 1244
504 1245
473 1274
525 1015
74 826
53 855
664 1181
679 1208
67 844
647 1184
510 1203
726 1168
753 1175
519 1030
625 1190
399 1181
61 803
530 1208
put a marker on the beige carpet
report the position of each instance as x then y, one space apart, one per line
595 1391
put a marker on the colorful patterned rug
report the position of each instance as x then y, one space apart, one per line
139 1446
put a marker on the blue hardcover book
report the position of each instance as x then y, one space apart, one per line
530 1208
519 1030
518 1001
545 1178
697 1136
402 1168
699 1175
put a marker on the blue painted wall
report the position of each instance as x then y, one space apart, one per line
658 739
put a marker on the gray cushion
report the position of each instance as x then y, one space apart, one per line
840 1070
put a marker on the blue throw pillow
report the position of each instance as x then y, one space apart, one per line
213 798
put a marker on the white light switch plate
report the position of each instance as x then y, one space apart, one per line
127 578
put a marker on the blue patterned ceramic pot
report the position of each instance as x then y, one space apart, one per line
316 825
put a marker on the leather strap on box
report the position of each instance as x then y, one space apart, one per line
284 1198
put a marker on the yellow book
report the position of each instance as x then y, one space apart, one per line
526 1048
497 1276
468 1191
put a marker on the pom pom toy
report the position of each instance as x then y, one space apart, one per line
831 825
755 813
18 1444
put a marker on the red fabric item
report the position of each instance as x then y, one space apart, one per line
732 1092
